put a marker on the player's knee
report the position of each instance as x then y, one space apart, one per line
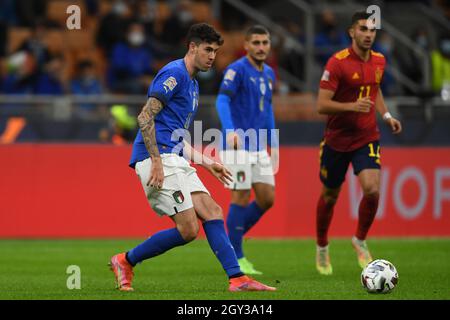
241 198
267 202
215 212
330 196
188 231
371 190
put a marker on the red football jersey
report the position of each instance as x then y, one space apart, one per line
351 78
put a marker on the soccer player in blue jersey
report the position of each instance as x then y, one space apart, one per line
171 185
244 105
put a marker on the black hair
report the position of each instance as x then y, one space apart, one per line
359 15
203 32
256 29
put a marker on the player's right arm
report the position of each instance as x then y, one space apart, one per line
164 86
329 84
146 120
326 104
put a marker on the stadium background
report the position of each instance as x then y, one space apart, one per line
68 103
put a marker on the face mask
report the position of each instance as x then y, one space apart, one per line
185 16
136 38
119 8
445 47
422 41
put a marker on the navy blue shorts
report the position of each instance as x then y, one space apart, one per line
334 164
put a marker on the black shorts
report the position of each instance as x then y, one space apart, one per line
334 164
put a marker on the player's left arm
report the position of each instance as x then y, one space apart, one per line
381 107
217 169
273 139
273 133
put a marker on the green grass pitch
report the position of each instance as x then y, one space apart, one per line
36 269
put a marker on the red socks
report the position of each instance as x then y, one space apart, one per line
323 220
367 209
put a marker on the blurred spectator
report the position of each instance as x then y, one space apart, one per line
122 126
385 44
21 74
28 11
112 27
36 44
412 63
330 38
131 63
290 58
49 81
86 83
440 65
92 7
166 28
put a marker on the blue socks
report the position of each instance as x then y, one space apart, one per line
252 215
221 246
239 221
164 240
236 227
155 245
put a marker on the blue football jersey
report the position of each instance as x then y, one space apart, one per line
179 94
250 91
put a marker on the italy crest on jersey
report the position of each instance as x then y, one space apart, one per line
262 86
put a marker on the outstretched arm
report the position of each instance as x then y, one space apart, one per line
218 170
146 120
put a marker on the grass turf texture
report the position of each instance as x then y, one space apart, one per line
36 269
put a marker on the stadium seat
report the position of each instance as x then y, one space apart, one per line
202 11
55 41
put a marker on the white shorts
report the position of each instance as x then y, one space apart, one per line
248 168
180 180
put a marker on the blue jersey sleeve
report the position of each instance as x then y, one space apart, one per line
231 81
166 84
223 109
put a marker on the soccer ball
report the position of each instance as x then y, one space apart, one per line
379 276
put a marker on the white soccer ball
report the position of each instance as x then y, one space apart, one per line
379 276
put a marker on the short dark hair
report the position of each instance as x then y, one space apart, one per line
203 32
359 15
256 29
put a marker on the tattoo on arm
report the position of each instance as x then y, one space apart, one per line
146 120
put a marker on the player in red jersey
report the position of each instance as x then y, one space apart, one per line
349 94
